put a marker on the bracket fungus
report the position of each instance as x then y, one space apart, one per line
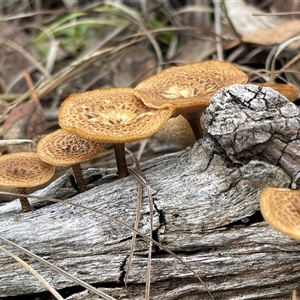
62 148
280 208
111 115
24 170
187 89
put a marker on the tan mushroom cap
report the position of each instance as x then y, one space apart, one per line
24 169
288 90
281 209
188 86
62 148
110 115
178 132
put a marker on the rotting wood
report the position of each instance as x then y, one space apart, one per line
206 211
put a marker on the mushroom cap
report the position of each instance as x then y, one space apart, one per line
24 169
290 91
63 148
280 207
178 132
110 115
190 86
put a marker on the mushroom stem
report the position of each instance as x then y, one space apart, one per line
194 120
121 160
25 205
77 171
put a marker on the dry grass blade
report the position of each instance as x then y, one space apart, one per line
136 18
290 63
4 143
24 15
192 9
145 237
142 182
218 30
277 14
59 270
29 57
279 49
137 216
75 68
34 273
109 37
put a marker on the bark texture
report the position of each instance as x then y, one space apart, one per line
257 122
206 211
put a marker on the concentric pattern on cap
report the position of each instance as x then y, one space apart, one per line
24 169
281 209
191 85
110 115
62 148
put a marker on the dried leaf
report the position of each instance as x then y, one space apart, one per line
276 35
242 17
24 121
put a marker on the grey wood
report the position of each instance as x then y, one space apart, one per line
257 122
206 211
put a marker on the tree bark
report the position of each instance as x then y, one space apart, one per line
206 211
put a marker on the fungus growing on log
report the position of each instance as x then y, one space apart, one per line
62 148
23 170
188 89
111 115
280 207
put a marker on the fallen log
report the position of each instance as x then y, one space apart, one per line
206 210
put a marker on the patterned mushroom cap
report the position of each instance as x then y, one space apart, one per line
63 148
110 115
24 169
189 86
280 207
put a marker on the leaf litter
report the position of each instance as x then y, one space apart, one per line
76 47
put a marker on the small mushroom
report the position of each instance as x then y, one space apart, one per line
188 89
62 148
177 132
289 90
280 208
23 170
111 115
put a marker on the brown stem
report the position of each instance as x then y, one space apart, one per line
194 121
77 171
25 205
121 160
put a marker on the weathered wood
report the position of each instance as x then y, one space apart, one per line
257 122
206 211
197 197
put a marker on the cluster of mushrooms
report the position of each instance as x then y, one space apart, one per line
119 115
